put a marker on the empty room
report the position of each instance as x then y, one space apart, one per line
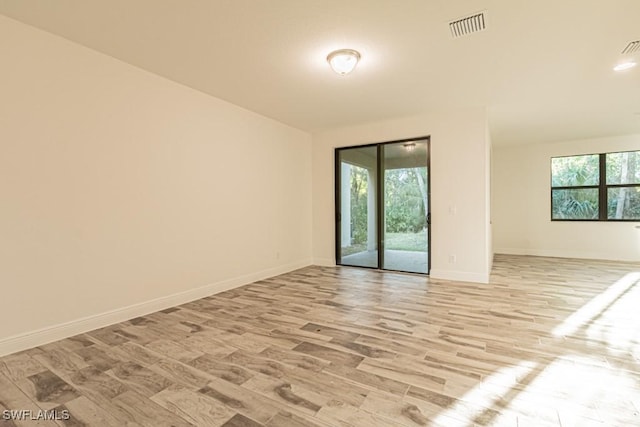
320 213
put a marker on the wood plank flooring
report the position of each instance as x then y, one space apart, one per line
548 342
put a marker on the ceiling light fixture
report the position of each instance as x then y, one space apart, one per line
410 146
343 61
624 66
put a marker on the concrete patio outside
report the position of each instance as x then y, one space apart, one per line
409 261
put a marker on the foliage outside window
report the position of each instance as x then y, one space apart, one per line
405 201
596 187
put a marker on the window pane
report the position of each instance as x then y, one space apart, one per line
623 168
574 204
358 214
575 171
406 206
624 203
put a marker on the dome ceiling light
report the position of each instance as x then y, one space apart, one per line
343 61
409 146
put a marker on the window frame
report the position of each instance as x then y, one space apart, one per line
602 187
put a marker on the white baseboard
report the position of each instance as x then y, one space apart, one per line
459 276
68 329
556 253
324 262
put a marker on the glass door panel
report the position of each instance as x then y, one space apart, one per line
356 179
406 206
382 206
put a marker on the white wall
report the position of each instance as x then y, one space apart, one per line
459 182
522 205
123 192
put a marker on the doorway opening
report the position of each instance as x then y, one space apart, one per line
383 205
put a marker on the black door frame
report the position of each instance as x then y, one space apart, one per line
379 200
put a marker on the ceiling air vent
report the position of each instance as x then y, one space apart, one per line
632 47
468 25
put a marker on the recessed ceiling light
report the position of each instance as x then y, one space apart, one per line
624 66
343 61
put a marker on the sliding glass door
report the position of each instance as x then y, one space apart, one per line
406 206
358 212
382 201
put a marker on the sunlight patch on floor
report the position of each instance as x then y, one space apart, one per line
573 387
619 325
488 395
597 306
567 391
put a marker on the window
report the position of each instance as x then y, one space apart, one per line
596 187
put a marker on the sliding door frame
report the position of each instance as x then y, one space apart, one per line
380 223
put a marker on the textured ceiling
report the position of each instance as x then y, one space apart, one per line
543 69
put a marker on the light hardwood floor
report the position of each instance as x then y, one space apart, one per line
548 342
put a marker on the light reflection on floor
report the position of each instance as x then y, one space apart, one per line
572 378
598 306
